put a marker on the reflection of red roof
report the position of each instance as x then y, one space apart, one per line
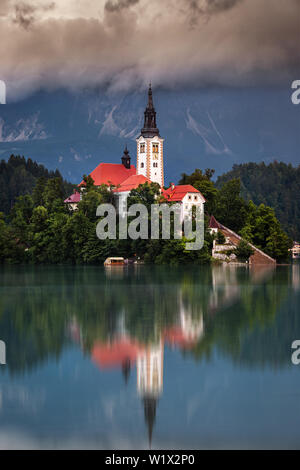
177 193
213 223
75 197
132 182
175 336
111 174
114 354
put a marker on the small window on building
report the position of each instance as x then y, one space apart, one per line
142 148
155 165
195 198
186 206
155 148
142 165
189 198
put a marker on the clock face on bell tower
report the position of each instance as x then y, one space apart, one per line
150 146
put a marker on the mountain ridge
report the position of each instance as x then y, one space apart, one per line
202 128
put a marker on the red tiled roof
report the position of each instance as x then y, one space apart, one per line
113 355
177 193
175 336
132 182
213 223
111 174
75 197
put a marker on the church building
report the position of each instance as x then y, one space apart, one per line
124 177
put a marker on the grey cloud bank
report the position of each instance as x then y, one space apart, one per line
122 44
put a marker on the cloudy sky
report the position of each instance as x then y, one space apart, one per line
122 44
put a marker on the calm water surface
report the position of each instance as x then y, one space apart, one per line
143 356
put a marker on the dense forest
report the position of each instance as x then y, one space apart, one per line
40 228
18 177
276 185
257 224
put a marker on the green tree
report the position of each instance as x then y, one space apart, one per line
19 176
243 251
92 198
38 235
53 194
88 182
55 248
276 185
264 230
20 217
76 233
231 209
146 194
38 192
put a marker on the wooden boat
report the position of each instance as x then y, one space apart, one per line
114 261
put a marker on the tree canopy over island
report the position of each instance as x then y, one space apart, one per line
41 229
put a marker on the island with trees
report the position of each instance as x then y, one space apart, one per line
36 226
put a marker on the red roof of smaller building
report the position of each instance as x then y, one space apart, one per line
75 197
113 355
177 193
175 336
213 223
111 174
132 182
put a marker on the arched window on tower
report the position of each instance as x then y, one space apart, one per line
142 165
155 148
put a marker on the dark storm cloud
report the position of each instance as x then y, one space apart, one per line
122 44
207 8
211 6
118 5
24 14
27 13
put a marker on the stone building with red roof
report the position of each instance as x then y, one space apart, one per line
185 195
73 200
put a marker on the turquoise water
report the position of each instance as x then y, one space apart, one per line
139 357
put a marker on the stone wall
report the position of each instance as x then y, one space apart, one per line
259 257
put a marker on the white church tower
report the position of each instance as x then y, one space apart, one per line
149 367
150 146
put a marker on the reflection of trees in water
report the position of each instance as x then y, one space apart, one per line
38 305
258 327
31 326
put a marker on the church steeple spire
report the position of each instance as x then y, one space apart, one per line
150 98
150 129
150 146
150 404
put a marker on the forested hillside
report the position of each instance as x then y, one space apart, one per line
255 223
18 177
276 185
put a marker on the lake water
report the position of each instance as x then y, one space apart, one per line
139 357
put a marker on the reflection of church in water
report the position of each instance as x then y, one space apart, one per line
124 352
